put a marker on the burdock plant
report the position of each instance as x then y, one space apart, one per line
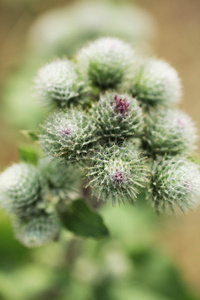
114 129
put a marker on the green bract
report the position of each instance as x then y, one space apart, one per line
106 63
174 182
58 83
169 131
117 116
155 83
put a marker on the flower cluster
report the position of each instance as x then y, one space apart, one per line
114 117
130 100
25 193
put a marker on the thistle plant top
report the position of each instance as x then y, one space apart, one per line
114 127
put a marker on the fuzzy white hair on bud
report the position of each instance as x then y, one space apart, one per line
58 83
67 134
169 131
117 174
155 82
21 187
38 231
106 62
174 183
117 116
62 178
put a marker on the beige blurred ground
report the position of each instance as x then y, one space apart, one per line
178 42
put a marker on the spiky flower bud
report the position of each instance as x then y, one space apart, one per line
105 62
62 178
155 83
22 189
174 183
58 83
117 116
117 174
67 134
169 131
37 231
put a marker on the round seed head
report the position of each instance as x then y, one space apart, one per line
67 134
22 188
117 174
38 231
105 62
62 178
58 83
117 116
175 182
169 131
155 83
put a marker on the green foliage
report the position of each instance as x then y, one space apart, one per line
29 153
128 264
32 135
82 221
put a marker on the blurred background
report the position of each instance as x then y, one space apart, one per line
147 258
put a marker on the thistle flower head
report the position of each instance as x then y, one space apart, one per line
155 83
105 62
22 188
117 116
118 177
58 83
38 231
169 131
174 183
117 174
62 178
67 134
120 105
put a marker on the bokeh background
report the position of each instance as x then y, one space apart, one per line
171 32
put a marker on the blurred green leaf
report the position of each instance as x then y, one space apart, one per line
32 135
29 154
158 273
195 159
82 221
